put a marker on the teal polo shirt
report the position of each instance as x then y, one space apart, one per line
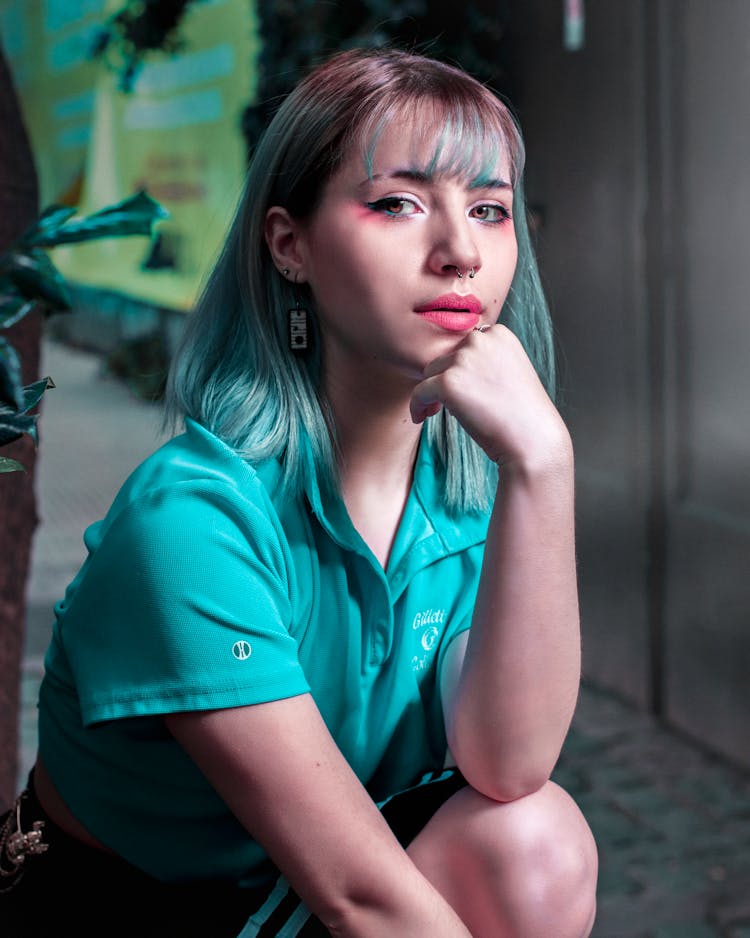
205 586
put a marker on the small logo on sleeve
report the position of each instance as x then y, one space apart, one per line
242 650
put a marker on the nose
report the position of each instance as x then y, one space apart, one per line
455 251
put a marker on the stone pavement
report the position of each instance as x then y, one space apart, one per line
92 432
671 821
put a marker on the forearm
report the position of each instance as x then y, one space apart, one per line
280 772
409 906
519 681
361 882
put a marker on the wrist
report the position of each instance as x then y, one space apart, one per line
547 456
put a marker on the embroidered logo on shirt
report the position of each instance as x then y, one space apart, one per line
426 622
429 637
428 617
242 650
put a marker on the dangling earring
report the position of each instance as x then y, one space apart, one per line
297 324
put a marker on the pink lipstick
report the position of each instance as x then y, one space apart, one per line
452 311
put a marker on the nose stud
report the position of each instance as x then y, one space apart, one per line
472 273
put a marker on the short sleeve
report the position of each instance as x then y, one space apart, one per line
184 603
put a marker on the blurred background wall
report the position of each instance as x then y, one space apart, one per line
175 130
637 130
638 162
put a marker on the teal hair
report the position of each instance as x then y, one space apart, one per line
233 371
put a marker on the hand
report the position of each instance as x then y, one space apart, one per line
489 384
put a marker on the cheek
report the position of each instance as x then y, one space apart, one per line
347 266
339 242
341 281
506 272
511 259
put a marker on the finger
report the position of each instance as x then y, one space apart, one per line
422 413
475 340
426 400
438 365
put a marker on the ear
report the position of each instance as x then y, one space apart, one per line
284 239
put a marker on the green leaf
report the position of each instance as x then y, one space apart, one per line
13 307
133 216
14 421
11 465
54 215
51 219
12 426
33 393
37 278
11 388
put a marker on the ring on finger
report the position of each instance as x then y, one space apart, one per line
483 328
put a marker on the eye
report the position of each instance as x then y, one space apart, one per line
394 205
494 214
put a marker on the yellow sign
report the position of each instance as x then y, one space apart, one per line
47 45
177 135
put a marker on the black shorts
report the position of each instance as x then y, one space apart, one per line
75 890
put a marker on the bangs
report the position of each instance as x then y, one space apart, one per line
476 140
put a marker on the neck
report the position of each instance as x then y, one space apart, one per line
374 430
377 443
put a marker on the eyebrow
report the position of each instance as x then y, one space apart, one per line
416 175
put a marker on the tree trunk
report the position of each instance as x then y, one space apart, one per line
18 517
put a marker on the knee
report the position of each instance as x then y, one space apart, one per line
541 848
522 868
556 861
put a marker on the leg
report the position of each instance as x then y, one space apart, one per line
522 869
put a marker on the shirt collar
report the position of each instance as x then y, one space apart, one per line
427 530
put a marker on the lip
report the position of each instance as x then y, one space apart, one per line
452 321
452 311
454 302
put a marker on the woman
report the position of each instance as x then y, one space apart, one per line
322 657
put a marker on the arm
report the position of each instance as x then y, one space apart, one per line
280 772
510 685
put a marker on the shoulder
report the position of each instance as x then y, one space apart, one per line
197 460
194 489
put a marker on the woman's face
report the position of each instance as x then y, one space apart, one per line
383 250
